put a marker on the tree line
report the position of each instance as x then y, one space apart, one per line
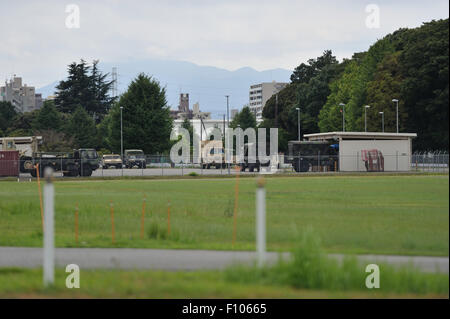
84 115
410 65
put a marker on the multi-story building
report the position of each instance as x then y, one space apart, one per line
22 97
260 93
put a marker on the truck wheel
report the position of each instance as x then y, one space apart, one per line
304 166
145 165
87 171
251 168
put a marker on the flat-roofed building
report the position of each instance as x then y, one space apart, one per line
358 150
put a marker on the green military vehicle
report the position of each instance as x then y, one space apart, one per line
81 162
132 158
313 155
253 164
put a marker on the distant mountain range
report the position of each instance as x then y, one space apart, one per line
205 84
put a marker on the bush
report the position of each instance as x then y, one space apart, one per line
310 268
155 231
194 174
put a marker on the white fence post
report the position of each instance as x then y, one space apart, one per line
261 222
49 244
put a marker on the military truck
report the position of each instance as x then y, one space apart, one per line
313 155
79 162
213 154
132 158
111 160
255 164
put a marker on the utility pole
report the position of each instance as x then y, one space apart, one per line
298 119
228 125
121 137
228 111
382 121
343 116
276 110
396 102
365 117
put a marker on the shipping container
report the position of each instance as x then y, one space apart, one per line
9 163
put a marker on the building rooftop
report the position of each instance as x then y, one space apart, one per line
359 135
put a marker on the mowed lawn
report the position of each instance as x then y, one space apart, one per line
406 215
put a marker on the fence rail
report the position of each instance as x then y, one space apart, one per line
161 165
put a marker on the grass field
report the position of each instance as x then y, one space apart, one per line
406 215
27 283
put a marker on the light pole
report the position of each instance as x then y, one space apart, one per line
228 126
228 112
121 137
365 117
382 121
396 102
343 116
298 120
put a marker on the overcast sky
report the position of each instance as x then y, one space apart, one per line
37 45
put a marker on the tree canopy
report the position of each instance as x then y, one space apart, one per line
410 65
146 117
86 86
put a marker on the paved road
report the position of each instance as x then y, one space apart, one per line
164 171
165 259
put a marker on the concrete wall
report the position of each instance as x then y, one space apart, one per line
396 153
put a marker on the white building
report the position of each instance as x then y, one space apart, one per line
208 127
260 93
22 97
393 149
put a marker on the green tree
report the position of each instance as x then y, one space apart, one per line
86 86
7 115
81 127
385 86
146 117
308 91
22 124
245 119
48 118
351 89
424 67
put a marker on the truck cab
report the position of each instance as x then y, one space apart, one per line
88 160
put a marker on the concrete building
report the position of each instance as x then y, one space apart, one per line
260 93
23 97
209 126
393 150
185 112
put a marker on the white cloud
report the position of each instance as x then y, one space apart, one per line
229 34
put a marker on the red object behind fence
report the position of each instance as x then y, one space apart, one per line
373 159
9 163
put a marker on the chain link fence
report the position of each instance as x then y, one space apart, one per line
161 165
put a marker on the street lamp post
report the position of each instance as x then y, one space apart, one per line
298 125
228 125
365 117
121 137
396 102
343 116
382 121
